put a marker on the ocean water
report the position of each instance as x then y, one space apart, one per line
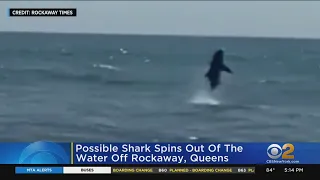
76 87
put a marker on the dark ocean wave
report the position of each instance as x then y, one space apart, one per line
34 73
286 81
74 77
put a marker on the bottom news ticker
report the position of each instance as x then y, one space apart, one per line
160 169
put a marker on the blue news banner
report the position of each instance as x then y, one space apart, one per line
44 152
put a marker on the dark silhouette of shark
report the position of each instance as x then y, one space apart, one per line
216 66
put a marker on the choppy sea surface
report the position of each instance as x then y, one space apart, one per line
117 88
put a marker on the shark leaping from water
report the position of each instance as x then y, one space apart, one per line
216 66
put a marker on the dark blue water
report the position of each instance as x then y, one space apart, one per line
65 87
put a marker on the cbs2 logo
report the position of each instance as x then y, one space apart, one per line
275 151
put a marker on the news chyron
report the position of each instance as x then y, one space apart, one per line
18 12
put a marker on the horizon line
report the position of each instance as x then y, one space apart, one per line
165 35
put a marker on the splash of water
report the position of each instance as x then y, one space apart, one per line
205 98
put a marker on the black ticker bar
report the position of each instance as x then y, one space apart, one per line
287 169
183 170
238 170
